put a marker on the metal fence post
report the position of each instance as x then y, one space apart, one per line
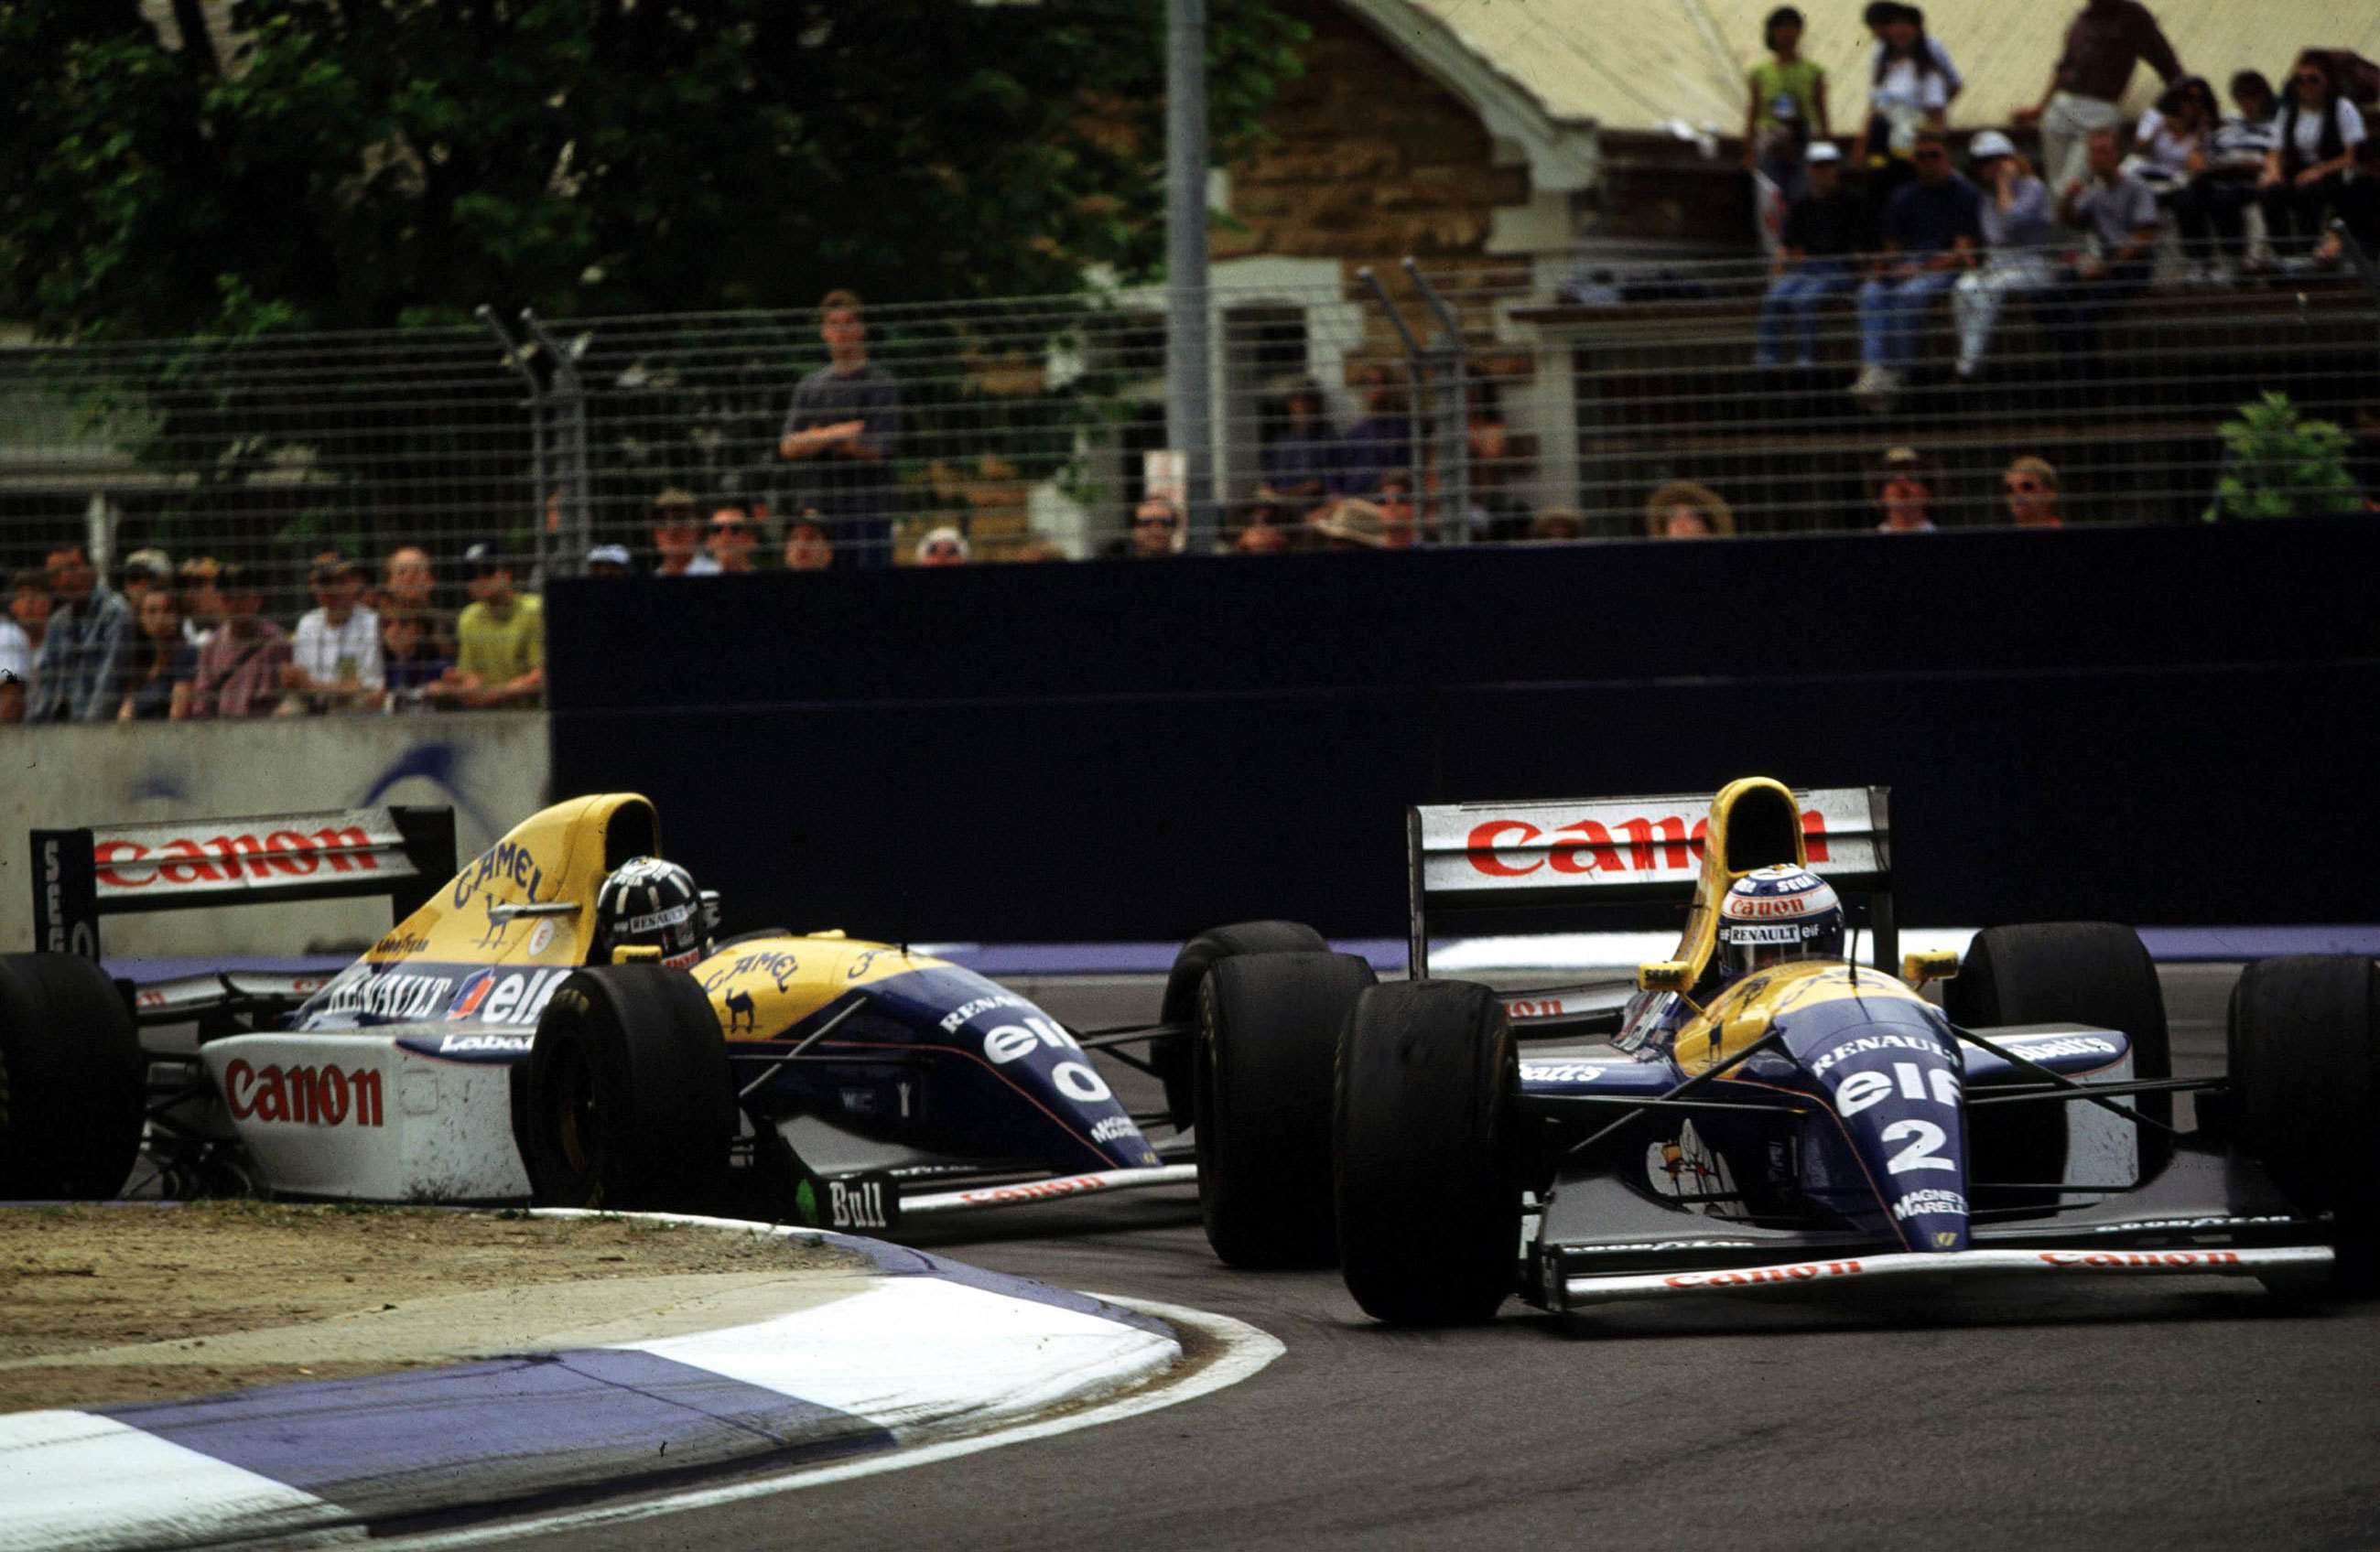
1450 362
1190 414
569 557
535 404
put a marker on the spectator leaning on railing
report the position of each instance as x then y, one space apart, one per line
1909 94
81 665
2107 40
239 668
334 661
161 664
500 658
409 581
412 657
1826 231
1930 229
2030 487
1156 531
21 630
2016 233
678 536
203 610
1905 485
729 546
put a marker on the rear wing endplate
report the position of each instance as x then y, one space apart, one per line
1623 850
82 874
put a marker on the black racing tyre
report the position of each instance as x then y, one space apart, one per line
72 1084
1261 1081
2305 1046
2094 973
1171 1055
624 1099
1430 1204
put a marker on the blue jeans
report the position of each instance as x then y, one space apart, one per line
1892 312
1793 298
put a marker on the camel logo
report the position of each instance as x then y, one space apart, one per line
739 1010
492 935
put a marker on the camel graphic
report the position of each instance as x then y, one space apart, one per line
739 1010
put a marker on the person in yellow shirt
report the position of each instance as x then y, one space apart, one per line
1788 105
500 659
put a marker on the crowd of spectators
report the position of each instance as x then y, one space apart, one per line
2073 235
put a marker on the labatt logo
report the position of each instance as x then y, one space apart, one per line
1662 845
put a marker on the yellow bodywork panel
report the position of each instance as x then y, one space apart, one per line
762 987
1742 1013
555 855
1722 867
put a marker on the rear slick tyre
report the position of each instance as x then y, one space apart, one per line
1268 1042
2303 1041
72 1084
625 1102
1429 1203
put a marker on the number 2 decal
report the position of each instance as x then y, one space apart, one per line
1919 1154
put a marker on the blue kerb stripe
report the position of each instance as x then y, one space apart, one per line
487 1433
891 1260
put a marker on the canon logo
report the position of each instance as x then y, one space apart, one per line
1645 845
232 858
303 1095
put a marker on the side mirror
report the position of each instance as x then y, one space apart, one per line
636 953
1664 975
1933 964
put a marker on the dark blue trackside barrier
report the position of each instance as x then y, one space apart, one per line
2160 725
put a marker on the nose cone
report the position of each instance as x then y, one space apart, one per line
1894 1081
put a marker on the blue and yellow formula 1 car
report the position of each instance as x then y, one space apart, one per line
1813 1122
481 1050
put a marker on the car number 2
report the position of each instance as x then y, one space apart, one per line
1920 1154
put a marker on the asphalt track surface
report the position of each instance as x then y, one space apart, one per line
2195 1413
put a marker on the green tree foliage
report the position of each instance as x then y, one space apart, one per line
2277 464
279 165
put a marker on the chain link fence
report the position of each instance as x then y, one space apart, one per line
1492 402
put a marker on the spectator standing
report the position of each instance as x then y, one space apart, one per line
1301 449
78 677
2217 196
1786 111
335 663
2017 232
412 659
1156 530
1880 18
1379 444
1826 231
2316 133
239 668
164 664
2030 487
1909 94
731 541
678 536
944 546
2121 212
1930 229
500 656
841 430
1904 485
806 547
1682 509
203 610
21 630
2107 40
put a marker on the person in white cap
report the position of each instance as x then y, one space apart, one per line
610 560
1825 232
2018 227
944 546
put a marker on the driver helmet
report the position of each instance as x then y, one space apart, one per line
650 904
1776 913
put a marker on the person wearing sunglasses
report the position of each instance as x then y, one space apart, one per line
1931 231
2030 486
1156 529
731 540
2316 132
2105 42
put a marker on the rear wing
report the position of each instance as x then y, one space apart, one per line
1625 850
82 874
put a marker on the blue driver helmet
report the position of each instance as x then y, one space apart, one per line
1778 914
650 904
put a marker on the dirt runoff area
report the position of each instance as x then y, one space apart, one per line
110 1304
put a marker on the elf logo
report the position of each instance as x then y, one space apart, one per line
506 996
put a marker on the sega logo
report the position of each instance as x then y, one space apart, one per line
506 996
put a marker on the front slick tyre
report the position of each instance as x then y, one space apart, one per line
2305 1046
1268 1039
1429 1202
624 1101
